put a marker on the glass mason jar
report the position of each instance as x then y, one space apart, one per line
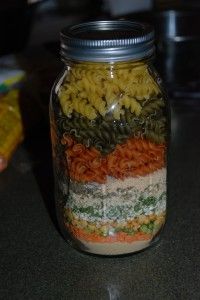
108 116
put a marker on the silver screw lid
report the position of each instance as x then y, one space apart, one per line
107 41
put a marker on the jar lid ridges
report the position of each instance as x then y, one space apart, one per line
107 41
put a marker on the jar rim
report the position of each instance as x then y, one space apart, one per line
105 41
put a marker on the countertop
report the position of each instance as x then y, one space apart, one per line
36 262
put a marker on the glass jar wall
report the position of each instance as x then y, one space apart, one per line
109 141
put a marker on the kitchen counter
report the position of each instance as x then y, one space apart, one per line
36 263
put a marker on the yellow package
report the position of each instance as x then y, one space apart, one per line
11 127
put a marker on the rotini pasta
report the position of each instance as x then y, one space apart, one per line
104 133
132 104
151 106
133 158
103 91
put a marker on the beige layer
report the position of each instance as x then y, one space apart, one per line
117 248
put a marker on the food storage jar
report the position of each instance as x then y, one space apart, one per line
109 129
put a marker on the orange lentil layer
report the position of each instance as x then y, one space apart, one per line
117 237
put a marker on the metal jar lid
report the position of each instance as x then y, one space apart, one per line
107 41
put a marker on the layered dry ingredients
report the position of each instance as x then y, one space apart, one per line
112 135
123 215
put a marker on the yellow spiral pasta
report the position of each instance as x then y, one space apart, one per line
83 108
96 89
132 104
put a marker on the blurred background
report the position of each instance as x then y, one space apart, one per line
29 51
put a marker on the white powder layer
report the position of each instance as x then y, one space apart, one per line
115 248
115 190
138 183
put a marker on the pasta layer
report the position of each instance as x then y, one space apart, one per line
104 133
136 157
94 91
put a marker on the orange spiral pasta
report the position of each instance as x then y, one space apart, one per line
136 157
85 164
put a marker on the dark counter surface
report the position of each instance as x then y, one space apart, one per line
36 263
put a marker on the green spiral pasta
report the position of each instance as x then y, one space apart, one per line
152 105
104 133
